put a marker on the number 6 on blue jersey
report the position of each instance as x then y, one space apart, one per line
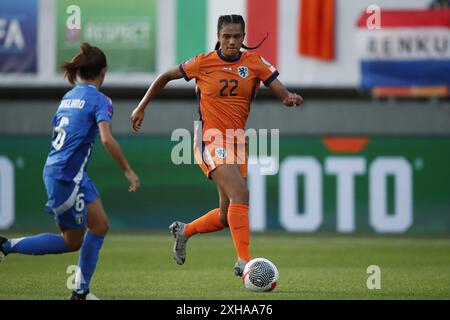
61 133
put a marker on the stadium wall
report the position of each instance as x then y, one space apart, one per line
379 185
393 178
316 117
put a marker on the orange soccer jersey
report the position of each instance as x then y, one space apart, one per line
225 88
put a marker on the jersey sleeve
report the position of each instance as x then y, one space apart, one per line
104 110
190 68
265 71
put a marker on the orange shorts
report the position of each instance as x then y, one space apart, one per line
210 155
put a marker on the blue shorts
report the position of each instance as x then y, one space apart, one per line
67 201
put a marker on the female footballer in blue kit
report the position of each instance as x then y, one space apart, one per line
72 197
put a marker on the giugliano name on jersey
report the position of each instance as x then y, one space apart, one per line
72 103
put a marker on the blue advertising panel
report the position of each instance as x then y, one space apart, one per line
18 36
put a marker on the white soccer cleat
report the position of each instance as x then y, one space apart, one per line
239 267
91 296
178 230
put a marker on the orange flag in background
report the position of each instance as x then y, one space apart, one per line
316 28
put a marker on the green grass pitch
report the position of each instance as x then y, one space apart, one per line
140 266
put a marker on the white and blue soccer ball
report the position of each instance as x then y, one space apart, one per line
260 275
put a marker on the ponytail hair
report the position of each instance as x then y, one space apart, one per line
87 64
253 48
235 18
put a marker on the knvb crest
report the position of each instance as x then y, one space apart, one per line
243 72
221 153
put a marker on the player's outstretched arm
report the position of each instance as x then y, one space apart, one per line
160 82
289 99
113 148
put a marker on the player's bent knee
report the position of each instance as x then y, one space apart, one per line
105 228
100 229
240 196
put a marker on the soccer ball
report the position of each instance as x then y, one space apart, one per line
260 275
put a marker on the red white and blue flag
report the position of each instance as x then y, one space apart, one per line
412 48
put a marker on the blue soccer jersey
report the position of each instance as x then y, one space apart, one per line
75 128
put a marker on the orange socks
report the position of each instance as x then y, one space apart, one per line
240 229
209 222
238 222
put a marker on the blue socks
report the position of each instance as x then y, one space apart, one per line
41 244
50 243
88 260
